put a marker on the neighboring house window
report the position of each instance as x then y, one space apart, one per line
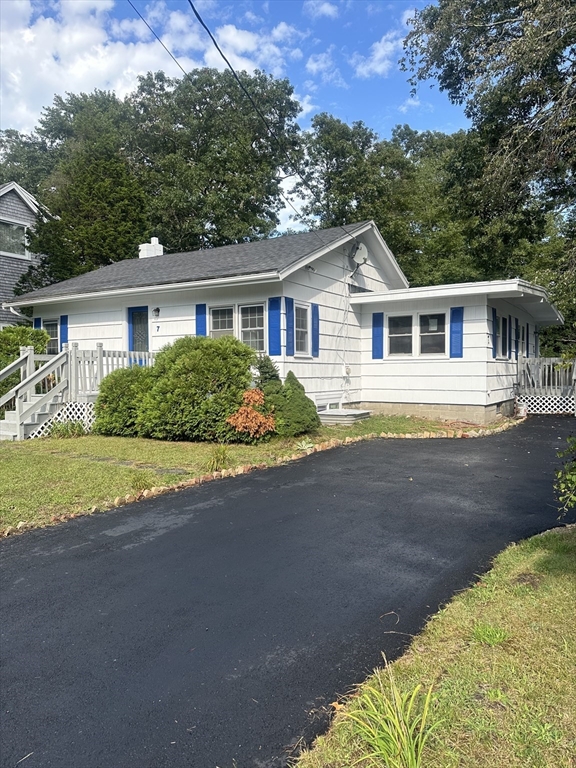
432 334
252 326
400 335
221 322
302 330
504 337
12 238
51 328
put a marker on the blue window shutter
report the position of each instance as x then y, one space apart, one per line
494 333
38 323
516 337
457 332
315 330
377 335
509 337
527 339
200 319
274 336
289 304
63 330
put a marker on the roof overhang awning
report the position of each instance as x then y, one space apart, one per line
532 298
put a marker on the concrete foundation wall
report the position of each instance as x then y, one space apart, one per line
478 414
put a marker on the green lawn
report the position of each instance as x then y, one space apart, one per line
502 661
48 478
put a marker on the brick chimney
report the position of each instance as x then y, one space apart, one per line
153 248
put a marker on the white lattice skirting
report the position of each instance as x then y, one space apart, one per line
83 412
547 403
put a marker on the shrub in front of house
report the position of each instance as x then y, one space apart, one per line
294 413
267 371
253 420
119 399
197 384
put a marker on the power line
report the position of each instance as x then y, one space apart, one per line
255 106
187 74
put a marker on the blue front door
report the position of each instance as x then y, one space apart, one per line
138 329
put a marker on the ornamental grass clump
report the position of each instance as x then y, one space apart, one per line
394 725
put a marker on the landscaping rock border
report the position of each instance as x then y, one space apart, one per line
244 469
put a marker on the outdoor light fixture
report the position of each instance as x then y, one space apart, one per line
156 312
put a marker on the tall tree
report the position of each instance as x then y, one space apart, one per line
211 168
95 208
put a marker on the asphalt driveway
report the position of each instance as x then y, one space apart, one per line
214 626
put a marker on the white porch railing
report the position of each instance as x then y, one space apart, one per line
549 376
72 376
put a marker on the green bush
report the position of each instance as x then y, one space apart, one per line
11 339
119 400
294 413
267 371
197 383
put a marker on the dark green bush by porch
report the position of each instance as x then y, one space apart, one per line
197 383
119 401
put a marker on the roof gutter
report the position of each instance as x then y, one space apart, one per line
265 277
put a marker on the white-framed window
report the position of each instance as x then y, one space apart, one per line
12 238
302 329
252 326
221 322
433 334
400 335
51 328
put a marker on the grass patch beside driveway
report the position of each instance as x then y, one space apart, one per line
43 479
502 659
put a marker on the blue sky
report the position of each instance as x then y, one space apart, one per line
340 55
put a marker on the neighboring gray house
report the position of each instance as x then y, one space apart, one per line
18 211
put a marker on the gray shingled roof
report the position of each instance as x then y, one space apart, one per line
271 255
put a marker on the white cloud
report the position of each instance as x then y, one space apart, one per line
252 18
318 8
407 16
410 103
306 105
323 65
381 58
75 46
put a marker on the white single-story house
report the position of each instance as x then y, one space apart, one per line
18 211
331 305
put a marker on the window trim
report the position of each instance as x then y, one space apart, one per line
234 323
308 308
55 320
239 308
399 355
434 355
27 255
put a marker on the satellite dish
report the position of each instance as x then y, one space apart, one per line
360 255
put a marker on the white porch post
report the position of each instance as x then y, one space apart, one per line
99 364
73 362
